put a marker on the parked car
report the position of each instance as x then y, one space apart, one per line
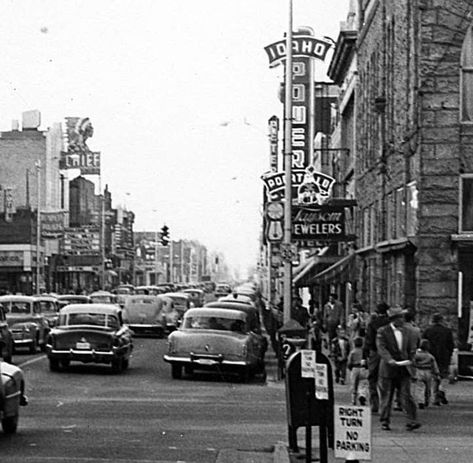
197 296
6 338
234 297
143 314
66 299
215 339
12 396
27 323
90 333
49 306
222 289
103 297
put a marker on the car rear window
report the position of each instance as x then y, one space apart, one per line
93 319
214 323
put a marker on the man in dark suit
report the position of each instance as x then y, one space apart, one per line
370 352
396 348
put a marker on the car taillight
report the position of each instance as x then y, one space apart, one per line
244 350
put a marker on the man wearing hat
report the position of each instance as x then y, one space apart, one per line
396 348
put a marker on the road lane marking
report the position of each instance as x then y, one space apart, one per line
31 361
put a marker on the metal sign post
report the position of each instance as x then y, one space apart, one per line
288 170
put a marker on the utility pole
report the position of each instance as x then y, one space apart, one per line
38 225
288 172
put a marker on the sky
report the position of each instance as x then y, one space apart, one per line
179 93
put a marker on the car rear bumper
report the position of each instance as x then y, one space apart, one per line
141 328
85 356
205 361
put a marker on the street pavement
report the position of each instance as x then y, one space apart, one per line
445 435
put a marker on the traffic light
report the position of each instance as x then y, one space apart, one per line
165 235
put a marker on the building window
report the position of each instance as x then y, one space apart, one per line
466 204
400 213
390 217
412 206
466 78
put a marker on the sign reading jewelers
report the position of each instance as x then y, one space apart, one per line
324 223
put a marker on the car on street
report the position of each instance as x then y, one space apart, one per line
66 299
12 396
171 315
6 338
197 296
215 339
143 314
103 297
235 297
181 302
49 307
222 289
90 333
27 323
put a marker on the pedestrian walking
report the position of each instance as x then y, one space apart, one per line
340 348
299 312
441 347
356 322
358 374
370 351
427 370
333 316
396 350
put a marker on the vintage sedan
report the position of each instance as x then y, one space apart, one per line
6 338
90 333
197 296
66 299
143 314
215 339
28 324
103 297
12 396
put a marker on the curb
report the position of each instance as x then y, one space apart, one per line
281 453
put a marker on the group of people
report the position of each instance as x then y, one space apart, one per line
391 363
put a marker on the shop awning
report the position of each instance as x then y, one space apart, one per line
314 264
340 270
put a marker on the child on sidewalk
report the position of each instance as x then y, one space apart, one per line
340 348
358 373
427 370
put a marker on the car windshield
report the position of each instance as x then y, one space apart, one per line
94 319
203 322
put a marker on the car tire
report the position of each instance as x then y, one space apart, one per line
176 371
117 365
65 363
34 346
10 424
54 364
245 374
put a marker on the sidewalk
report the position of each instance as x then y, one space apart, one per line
445 435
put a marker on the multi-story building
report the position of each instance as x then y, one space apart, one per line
30 181
406 109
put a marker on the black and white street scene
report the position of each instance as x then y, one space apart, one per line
236 231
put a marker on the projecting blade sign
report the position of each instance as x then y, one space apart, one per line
309 186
